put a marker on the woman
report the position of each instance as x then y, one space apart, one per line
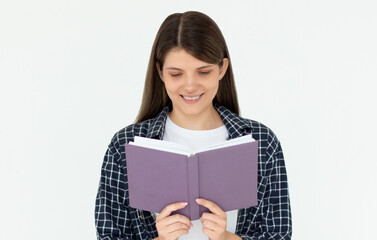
190 98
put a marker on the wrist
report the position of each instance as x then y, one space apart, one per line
232 236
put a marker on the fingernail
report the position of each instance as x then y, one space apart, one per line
198 200
183 203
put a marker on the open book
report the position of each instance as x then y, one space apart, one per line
162 172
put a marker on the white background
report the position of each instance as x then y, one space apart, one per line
72 74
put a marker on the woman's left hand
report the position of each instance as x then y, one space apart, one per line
214 224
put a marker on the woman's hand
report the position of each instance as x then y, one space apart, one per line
174 226
214 224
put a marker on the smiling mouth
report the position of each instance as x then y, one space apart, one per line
192 98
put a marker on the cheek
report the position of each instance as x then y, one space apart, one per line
213 85
171 88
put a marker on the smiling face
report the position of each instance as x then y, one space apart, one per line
191 84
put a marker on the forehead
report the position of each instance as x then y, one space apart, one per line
179 58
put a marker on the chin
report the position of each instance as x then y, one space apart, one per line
193 110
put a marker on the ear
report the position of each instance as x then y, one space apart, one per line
224 68
159 70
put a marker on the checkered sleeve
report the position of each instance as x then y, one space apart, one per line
111 210
271 219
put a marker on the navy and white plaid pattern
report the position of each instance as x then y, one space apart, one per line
270 219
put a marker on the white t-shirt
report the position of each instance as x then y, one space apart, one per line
196 139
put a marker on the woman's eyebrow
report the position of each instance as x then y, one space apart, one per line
206 66
175 68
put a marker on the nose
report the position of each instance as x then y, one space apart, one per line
191 83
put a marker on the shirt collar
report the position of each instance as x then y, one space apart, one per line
157 125
235 125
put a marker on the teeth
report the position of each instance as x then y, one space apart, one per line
191 98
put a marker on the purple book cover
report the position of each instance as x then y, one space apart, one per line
227 176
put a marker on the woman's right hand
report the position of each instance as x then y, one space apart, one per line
170 227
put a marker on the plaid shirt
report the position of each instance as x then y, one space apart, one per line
270 219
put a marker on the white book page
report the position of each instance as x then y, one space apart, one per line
160 145
181 149
229 143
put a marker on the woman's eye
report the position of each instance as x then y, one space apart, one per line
175 74
204 72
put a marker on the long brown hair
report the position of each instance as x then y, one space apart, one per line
198 35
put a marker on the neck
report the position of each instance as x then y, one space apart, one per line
203 121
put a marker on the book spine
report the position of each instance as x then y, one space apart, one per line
193 186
